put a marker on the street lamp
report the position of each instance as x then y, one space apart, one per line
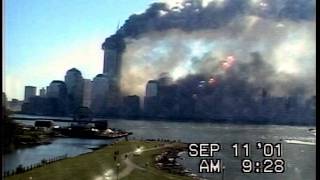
118 166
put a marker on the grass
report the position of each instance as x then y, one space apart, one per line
90 166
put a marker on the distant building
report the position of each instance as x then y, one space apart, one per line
151 100
57 89
29 91
51 106
131 106
74 83
42 92
113 48
100 89
152 88
87 88
57 97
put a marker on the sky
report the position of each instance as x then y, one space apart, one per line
43 39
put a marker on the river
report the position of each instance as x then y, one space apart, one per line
299 157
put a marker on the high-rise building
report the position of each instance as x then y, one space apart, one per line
113 48
57 89
99 93
56 97
152 88
74 83
87 88
42 92
151 100
29 91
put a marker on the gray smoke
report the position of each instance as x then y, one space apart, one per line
196 39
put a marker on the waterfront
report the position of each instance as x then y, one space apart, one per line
300 159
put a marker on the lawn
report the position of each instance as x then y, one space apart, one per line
94 166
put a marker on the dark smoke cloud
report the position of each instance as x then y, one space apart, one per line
281 32
193 16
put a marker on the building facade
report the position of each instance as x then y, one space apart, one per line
87 88
99 93
57 89
29 91
74 83
151 100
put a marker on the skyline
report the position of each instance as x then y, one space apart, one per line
288 49
61 44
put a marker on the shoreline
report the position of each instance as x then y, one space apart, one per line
128 162
182 120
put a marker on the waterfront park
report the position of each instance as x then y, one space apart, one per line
121 160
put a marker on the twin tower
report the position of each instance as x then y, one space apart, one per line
113 49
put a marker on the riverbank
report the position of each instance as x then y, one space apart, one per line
238 121
125 159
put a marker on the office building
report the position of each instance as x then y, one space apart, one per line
87 88
29 91
113 48
74 84
99 92
151 100
152 88
57 89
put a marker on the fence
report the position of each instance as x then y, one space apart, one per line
22 169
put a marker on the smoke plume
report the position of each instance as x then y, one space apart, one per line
271 43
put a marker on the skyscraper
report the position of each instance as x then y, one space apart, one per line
57 89
74 83
152 88
56 98
100 89
113 48
151 100
87 88
29 91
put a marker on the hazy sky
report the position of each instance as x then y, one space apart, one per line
43 39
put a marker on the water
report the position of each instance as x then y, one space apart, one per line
299 158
